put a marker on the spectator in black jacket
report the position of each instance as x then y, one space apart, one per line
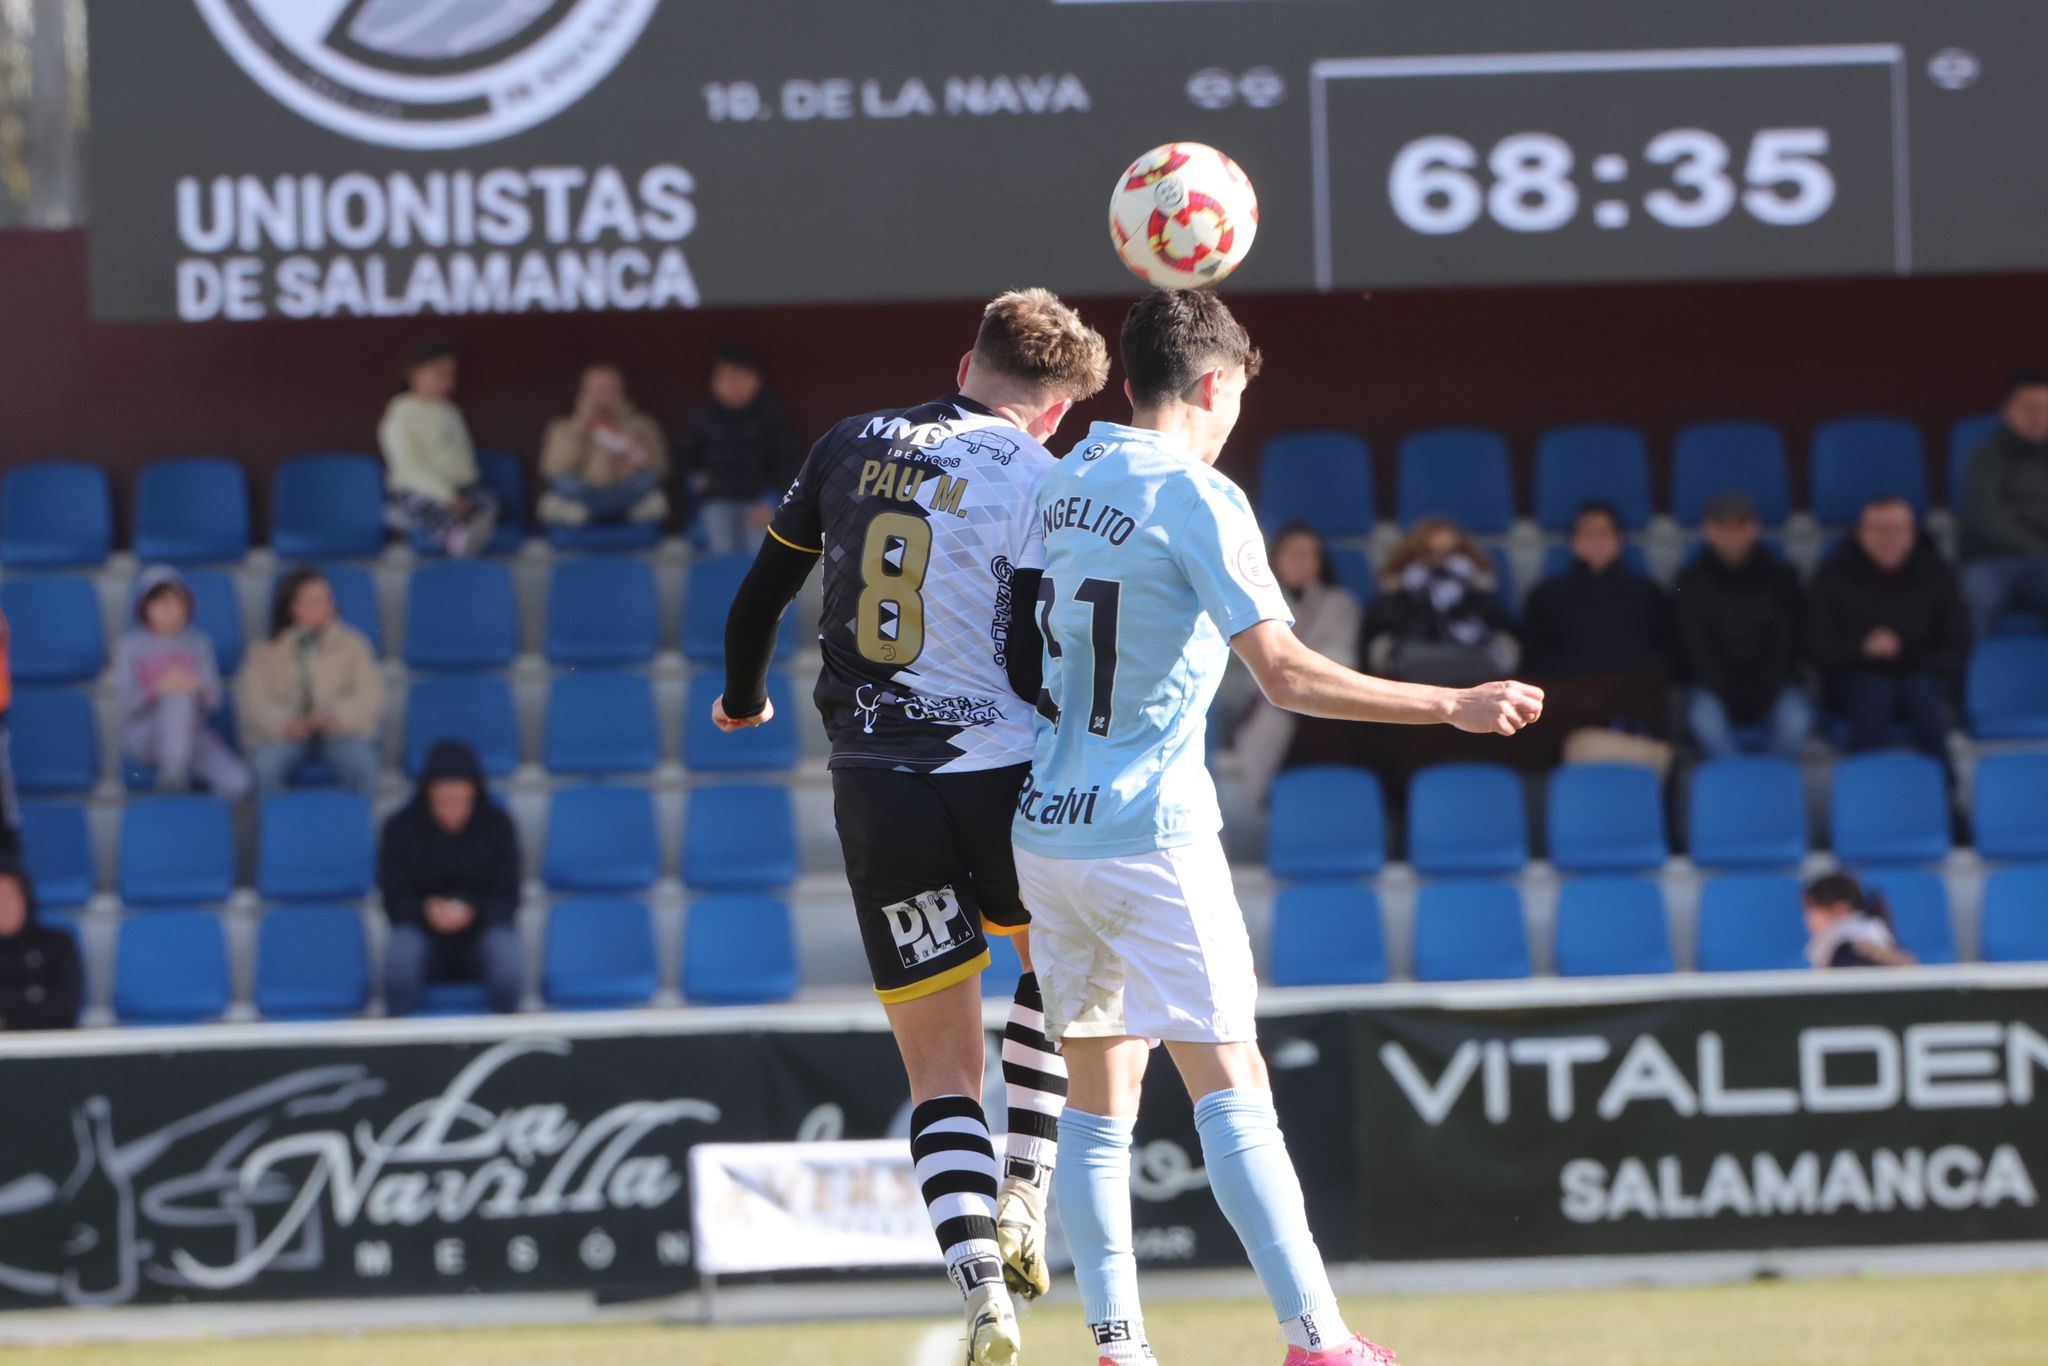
1599 634
41 983
1738 612
737 453
1887 629
2003 521
449 870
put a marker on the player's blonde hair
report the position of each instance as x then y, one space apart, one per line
1029 336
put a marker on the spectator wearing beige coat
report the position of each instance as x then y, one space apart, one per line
605 462
312 695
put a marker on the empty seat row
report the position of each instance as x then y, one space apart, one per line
312 962
1330 821
1325 478
1328 933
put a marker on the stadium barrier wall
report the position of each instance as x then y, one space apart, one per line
550 1153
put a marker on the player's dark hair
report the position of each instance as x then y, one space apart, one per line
425 351
1028 335
1172 337
286 594
1326 572
2026 377
1839 889
1598 507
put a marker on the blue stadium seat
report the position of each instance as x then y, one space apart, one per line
1964 437
707 597
1327 934
1856 459
461 614
1456 472
193 511
2007 812
328 506
1470 931
1594 462
601 612
53 740
219 617
55 621
314 846
1747 813
1326 821
1918 902
601 839
738 950
1751 922
1322 478
503 476
1716 457
738 837
1611 927
1888 808
605 538
55 515
170 967
1504 579
312 963
177 851
1607 818
455 998
476 708
2015 923
1467 818
600 723
56 845
1354 571
1558 559
599 955
2005 692
770 747
999 978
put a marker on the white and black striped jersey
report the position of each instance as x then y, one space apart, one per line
919 514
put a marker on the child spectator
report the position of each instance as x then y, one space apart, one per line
1848 927
1326 618
41 983
1437 618
606 462
168 685
449 870
312 693
738 454
433 486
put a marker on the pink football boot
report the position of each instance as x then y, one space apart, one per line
1357 1352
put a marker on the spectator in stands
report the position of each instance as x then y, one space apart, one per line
10 800
1437 618
1599 642
2004 517
1887 629
606 461
738 452
1848 927
168 685
1739 630
434 487
41 983
1326 617
312 694
449 869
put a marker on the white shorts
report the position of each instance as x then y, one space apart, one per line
1149 946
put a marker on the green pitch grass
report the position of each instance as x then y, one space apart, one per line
1969 1321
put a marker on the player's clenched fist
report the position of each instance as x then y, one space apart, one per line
729 724
1497 708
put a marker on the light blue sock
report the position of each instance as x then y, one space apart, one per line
1255 1184
1092 1185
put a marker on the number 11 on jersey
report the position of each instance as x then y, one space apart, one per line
1105 598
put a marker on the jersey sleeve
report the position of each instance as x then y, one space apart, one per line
798 523
1029 537
1221 551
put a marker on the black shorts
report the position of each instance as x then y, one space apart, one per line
928 859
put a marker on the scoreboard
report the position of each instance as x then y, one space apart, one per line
321 158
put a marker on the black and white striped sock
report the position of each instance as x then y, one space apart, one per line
956 1169
1035 1085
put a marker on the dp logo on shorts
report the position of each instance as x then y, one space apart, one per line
927 925
427 73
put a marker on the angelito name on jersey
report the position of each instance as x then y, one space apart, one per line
1111 523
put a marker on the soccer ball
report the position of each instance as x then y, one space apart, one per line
1183 216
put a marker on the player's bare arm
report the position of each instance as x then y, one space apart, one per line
1298 679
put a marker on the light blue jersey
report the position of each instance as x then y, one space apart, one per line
1152 561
